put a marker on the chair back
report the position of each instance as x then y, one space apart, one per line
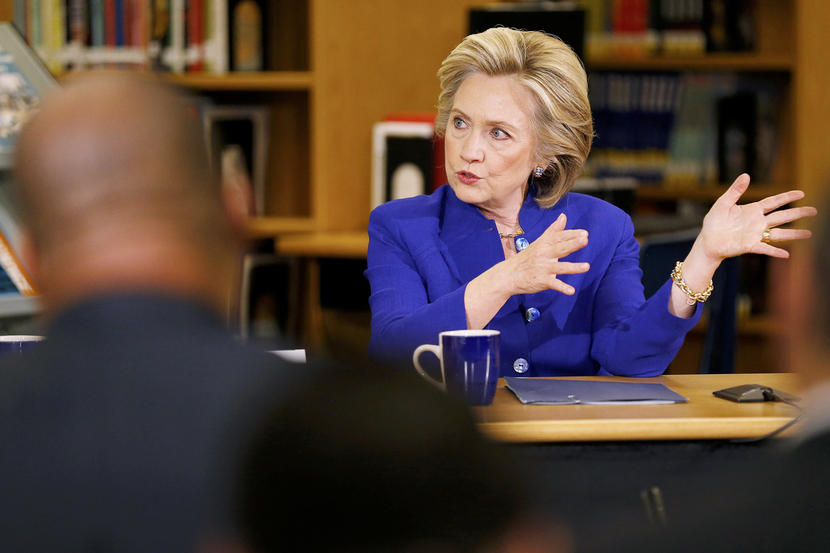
658 255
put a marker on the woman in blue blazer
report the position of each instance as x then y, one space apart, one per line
505 245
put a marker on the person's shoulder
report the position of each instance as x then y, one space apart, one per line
422 204
414 211
593 206
600 218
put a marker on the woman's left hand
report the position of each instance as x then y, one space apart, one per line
730 229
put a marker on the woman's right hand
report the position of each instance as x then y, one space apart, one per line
537 267
533 270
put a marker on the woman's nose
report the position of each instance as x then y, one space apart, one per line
472 149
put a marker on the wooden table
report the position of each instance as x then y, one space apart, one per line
704 417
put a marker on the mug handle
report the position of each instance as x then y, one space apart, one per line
418 351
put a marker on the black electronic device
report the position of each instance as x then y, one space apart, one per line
747 393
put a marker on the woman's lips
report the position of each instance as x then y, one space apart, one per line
467 178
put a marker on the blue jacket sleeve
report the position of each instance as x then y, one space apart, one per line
633 336
405 313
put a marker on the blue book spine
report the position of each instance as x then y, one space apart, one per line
119 22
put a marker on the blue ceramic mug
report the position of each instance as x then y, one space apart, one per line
469 363
19 343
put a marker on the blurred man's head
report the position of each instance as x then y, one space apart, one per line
370 462
800 294
116 192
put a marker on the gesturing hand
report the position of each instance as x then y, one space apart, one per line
730 229
536 268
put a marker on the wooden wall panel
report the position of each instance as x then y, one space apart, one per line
811 106
370 58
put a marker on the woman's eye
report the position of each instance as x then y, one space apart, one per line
458 123
499 134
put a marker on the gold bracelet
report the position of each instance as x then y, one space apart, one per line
693 297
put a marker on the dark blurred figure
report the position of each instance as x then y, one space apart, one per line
778 503
109 430
381 462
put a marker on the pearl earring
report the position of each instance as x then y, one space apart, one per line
538 172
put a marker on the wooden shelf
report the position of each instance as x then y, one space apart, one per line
270 227
16 305
753 193
757 325
761 325
709 62
263 80
345 244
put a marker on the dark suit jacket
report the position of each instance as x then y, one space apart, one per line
116 433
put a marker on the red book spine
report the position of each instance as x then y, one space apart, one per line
641 16
129 17
109 23
195 30
141 27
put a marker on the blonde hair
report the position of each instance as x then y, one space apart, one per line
554 75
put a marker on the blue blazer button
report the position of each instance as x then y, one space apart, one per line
531 314
521 365
521 243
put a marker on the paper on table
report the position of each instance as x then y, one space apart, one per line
539 391
290 355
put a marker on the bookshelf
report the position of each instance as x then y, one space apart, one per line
704 194
284 88
788 49
349 99
338 67
708 63
364 64
253 81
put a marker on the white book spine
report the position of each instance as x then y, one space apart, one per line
177 55
220 36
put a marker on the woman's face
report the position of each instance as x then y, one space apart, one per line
489 143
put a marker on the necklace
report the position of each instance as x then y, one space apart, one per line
516 232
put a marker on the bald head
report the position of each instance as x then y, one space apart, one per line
116 190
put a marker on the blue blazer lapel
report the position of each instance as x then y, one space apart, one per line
472 240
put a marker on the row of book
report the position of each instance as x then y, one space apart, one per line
163 35
683 129
637 28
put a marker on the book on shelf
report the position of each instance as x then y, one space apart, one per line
737 116
14 278
247 34
195 40
407 157
238 135
23 79
640 28
162 35
683 130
